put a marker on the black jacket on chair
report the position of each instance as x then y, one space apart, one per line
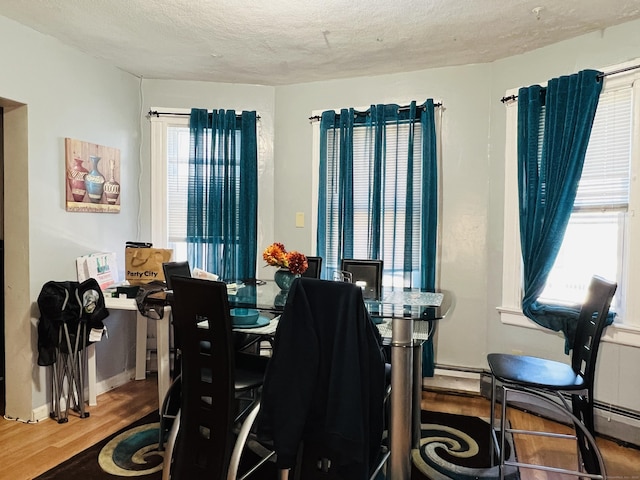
325 383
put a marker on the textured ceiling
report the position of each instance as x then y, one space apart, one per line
281 42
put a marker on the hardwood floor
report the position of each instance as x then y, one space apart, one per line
27 450
620 462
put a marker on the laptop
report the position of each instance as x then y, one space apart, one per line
175 269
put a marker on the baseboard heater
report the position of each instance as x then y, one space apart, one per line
456 379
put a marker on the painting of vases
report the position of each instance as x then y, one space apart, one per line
92 177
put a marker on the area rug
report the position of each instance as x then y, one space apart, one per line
130 453
453 447
457 447
133 453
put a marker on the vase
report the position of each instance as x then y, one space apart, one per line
284 278
94 181
111 187
280 299
75 177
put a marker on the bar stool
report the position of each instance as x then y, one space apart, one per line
549 382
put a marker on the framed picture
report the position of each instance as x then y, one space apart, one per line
92 177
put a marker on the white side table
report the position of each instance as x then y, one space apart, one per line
164 380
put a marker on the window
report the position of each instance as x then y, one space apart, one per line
169 179
598 221
394 195
603 219
209 202
389 196
177 184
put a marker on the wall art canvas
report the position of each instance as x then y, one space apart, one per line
92 177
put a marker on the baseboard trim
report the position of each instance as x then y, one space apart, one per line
114 382
40 413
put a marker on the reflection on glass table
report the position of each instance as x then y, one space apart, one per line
394 303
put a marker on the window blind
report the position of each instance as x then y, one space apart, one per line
396 177
177 182
396 182
605 176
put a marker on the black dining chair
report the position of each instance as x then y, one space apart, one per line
213 375
367 274
322 405
314 267
550 381
175 269
170 270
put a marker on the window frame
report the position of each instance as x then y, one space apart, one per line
315 173
626 328
158 171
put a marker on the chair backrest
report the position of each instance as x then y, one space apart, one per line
314 267
201 315
325 383
591 323
367 274
175 269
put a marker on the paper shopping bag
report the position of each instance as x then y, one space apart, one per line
144 265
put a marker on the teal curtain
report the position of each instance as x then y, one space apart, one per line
222 211
378 194
549 169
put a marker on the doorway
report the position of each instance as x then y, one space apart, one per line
3 395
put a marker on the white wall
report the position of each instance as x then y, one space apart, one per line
66 94
186 95
70 95
472 189
465 93
619 366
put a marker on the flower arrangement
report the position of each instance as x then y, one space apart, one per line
277 256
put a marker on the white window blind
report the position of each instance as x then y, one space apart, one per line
605 178
393 193
177 182
595 237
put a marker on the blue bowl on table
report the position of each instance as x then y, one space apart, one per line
244 316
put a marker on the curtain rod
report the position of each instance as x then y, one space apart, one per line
317 118
155 113
600 76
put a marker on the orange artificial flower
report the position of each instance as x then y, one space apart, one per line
277 256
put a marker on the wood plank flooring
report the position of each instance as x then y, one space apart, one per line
620 462
27 450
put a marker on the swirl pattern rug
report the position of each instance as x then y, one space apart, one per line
130 453
457 447
133 453
453 447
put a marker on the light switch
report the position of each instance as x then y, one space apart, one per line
300 220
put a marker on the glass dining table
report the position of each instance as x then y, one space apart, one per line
405 319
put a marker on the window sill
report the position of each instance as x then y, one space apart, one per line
617 333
